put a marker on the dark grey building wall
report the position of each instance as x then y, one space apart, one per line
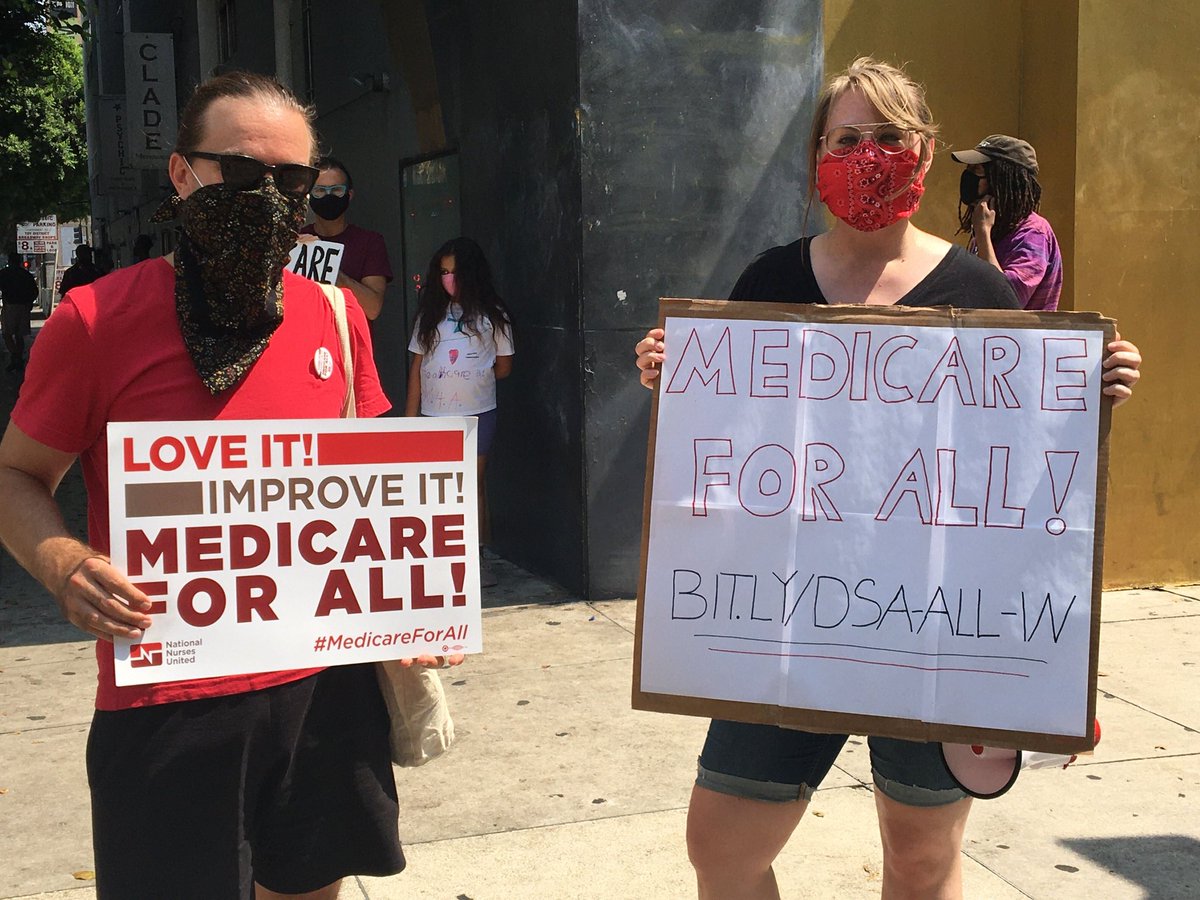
515 94
254 40
364 117
694 120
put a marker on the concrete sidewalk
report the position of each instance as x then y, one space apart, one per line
558 789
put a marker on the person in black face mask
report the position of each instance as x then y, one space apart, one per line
365 268
285 776
999 196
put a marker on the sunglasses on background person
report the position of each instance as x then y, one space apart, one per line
243 173
327 190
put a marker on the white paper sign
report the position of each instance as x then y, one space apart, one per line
875 519
319 260
288 544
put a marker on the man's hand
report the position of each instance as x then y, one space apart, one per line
430 661
98 599
983 217
92 595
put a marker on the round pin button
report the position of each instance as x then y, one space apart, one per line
323 363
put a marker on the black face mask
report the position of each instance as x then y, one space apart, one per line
329 207
968 187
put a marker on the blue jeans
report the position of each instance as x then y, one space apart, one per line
767 762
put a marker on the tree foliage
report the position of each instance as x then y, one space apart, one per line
43 143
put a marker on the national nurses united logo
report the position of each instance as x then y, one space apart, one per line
142 656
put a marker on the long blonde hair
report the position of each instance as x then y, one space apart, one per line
886 87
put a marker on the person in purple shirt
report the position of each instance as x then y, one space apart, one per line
1000 191
365 269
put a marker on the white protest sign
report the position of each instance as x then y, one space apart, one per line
318 260
873 518
38 237
288 544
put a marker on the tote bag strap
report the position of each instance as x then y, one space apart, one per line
338 301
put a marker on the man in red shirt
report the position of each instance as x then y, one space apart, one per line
263 785
365 269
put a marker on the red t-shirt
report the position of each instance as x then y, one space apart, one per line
113 352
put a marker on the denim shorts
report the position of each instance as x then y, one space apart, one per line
767 762
486 432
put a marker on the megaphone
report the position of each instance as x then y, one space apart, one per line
988 772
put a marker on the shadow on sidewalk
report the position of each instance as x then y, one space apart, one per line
1164 865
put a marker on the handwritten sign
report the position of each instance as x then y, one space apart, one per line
319 260
877 522
288 544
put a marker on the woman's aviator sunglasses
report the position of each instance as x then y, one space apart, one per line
889 137
242 173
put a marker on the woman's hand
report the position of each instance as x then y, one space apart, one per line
650 353
1121 370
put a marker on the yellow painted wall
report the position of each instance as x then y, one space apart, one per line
1137 258
1047 89
1108 93
968 57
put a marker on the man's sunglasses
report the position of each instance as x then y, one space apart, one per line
243 173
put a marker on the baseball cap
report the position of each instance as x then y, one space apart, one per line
999 146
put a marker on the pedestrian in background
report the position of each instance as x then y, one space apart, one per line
999 196
365 268
142 246
84 271
462 344
18 291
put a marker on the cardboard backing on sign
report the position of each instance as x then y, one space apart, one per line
1081 739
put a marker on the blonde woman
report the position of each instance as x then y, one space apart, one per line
871 147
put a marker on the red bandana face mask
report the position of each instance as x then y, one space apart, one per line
868 189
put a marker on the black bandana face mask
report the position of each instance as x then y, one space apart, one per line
229 274
968 187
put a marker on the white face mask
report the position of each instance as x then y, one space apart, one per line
193 171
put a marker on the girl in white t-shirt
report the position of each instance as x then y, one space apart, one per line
461 343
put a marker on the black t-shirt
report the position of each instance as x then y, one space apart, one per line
785 275
79 274
17 286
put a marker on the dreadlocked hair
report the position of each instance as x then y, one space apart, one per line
477 295
1015 193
